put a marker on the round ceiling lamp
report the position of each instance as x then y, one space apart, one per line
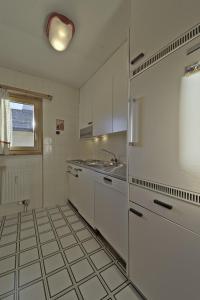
60 31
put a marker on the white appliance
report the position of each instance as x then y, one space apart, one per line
111 218
164 172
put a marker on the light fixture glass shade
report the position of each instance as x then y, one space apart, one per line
60 31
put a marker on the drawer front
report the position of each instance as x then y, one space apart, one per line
119 185
164 258
180 212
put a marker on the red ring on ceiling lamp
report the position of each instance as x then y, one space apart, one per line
63 18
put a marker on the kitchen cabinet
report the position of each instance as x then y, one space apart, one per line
111 217
73 186
164 258
81 191
104 98
120 88
156 23
86 105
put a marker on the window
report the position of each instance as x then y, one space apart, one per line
26 125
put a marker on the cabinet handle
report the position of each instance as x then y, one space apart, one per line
90 123
158 202
76 175
133 122
107 180
78 170
137 58
137 213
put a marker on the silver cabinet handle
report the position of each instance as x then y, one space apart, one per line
107 180
78 170
133 122
137 58
137 213
75 175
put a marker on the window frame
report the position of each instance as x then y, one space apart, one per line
38 132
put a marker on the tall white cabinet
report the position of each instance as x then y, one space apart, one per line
155 23
102 102
163 257
104 98
86 105
120 89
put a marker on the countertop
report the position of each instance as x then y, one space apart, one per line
118 172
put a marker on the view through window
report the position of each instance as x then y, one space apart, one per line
26 125
23 126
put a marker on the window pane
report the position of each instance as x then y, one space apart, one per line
22 124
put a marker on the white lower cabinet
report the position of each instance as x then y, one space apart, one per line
164 258
102 202
86 195
111 217
81 191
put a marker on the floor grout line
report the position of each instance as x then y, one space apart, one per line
57 220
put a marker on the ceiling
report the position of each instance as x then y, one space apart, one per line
101 26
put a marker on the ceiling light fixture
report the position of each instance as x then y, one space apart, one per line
60 31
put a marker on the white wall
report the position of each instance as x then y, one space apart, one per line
112 142
57 148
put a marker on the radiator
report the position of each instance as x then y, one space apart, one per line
14 184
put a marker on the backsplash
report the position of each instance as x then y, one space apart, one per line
91 149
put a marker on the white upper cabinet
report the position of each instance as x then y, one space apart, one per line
155 23
102 81
86 105
120 88
104 98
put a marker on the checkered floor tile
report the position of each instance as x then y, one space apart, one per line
53 254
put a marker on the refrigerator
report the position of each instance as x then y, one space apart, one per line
164 121
164 172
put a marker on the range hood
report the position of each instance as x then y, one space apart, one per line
86 132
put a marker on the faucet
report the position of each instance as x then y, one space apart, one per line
115 160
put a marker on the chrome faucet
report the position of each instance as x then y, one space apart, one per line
115 160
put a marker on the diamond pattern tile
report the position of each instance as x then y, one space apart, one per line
27 233
7 264
32 292
53 263
69 296
53 254
91 245
50 248
68 241
29 273
83 234
81 270
74 253
93 289
113 277
28 256
100 259
59 282
7 250
7 283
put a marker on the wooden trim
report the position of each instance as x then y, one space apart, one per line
26 92
38 133
4 142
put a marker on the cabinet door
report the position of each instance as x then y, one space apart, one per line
85 106
164 258
155 23
111 216
86 195
74 190
120 88
102 82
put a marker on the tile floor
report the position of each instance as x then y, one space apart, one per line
53 254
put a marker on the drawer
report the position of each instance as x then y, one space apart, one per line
114 183
180 212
